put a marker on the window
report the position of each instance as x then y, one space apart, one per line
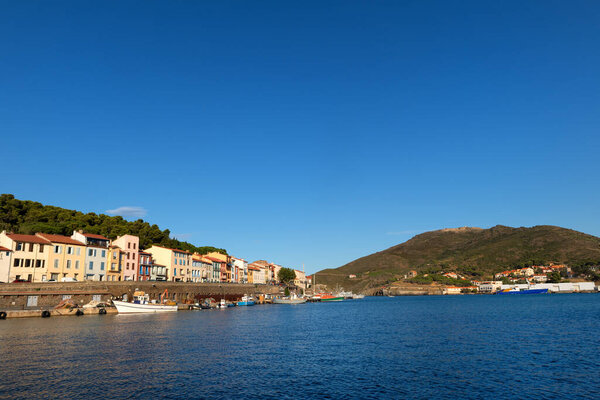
103 253
31 247
78 251
133 256
77 264
69 250
141 270
174 271
19 246
91 265
102 266
41 248
17 262
128 245
97 297
90 252
69 264
55 263
66 296
56 249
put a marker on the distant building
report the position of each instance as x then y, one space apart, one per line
351 276
490 286
116 259
178 262
411 274
5 260
130 245
96 255
66 258
146 263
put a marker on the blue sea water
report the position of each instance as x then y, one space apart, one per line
444 347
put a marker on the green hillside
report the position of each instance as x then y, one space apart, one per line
473 252
29 217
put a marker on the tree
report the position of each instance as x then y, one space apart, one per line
286 275
554 277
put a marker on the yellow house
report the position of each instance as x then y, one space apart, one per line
178 262
66 258
29 256
115 259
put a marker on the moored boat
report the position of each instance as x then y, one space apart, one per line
142 304
290 300
246 301
330 297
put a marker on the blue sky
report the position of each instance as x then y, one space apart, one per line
305 132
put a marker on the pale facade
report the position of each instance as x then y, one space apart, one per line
178 262
96 255
130 245
300 280
66 258
5 259
241 270
29 256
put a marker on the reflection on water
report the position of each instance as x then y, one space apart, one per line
403 347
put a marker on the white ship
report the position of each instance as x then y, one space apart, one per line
142 304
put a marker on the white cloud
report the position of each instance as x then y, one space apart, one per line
128 211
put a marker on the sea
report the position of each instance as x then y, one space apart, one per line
421 347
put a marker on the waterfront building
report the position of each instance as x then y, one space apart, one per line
116 259
145 270
241 269
29 256
252 269
130 245
199 270
213 269
257 273
300 280
66 259
178 262
490 286
226 265
158 272
96 255
5 259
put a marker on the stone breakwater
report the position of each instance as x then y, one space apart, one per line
32 298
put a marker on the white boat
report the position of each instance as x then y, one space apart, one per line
142 304
358 296
124 307
290 300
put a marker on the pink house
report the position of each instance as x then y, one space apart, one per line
130 245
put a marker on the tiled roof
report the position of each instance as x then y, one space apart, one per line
60 239
4 249
214 259
17 237
168 248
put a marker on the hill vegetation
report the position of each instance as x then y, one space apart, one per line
29 217
472 252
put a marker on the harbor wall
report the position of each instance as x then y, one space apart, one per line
29 296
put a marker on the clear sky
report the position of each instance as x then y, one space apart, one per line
305 132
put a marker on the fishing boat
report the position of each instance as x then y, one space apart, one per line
142 304
246 301
330 297
524 291
290 300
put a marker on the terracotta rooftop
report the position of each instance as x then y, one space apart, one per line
4 249
60 239
168 248
94 236
17 237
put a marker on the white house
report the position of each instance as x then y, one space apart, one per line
96 255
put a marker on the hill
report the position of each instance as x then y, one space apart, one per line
474 252
29 217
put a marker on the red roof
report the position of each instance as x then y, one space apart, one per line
214 259
4 249
94 236
17 237
60 239
145 252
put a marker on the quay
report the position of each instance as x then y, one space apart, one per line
32 299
